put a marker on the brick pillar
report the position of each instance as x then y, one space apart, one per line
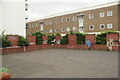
114 36
45 39
72 40
32 40
90 36
13 39
58 37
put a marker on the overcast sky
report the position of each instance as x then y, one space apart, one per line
43 8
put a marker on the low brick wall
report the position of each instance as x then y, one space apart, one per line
48 46
116 48
12 50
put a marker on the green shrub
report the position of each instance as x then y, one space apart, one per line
80 38
64 39
4 70
101 38
39 38
22 41
57 34
50 39
5 41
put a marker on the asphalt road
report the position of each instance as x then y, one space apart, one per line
62 63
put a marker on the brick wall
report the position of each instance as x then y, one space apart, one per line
90 36
72 40
114 36
13 39
32 40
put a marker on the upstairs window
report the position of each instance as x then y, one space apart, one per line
91 16
51 22
102 14
36 25
56 21
109 13
63 20
67 19
46 23
74 18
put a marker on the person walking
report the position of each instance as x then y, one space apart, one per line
92 44
88 44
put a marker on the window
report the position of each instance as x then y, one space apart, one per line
57 21
80 19
31 33
81 28
68 28
109 13
63 30
102 26
91 27
50 22
91 16
63 20
56 30
74 18
30 25
74 28
36 25
109 26
102 14
47 31
41 27
50 30
67 19
46 23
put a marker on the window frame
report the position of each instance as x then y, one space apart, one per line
56 30
102 24
109 27
74 28
62 29
109 14
62 20
90 27
91 16
73 18
67 19
102 13
50 30
68 29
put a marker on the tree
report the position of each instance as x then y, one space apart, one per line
64 39
39 39
80 38
5 41
22 41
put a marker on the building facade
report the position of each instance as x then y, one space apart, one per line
96 19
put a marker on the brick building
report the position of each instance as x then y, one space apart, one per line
95 19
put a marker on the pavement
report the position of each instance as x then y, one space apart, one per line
62 63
